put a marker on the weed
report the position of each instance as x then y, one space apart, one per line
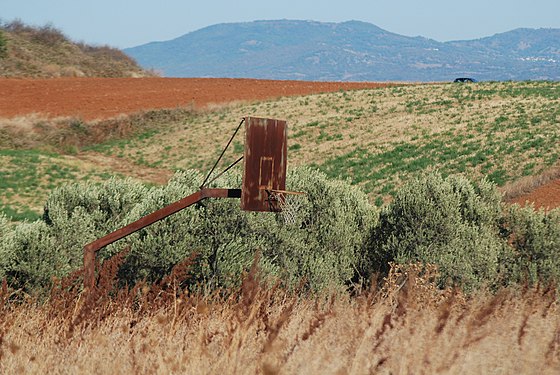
3 45
294 147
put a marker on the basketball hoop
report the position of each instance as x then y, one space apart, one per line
287 203
264 178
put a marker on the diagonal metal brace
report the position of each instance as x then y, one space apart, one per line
91 249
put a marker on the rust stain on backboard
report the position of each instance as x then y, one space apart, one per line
265 163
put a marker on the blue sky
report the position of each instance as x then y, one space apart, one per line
121 23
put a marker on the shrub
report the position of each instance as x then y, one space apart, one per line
29 257
3 45
448 222
535 237
207 229
326 245
32 253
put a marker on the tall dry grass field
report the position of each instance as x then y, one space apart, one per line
404 326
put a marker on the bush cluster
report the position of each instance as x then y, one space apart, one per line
322 247
336 237
466 230
535 239
46 34
449 222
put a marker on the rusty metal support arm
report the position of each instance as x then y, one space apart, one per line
92 248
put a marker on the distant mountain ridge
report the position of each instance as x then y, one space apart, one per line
349 51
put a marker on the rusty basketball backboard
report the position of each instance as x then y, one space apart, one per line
265 163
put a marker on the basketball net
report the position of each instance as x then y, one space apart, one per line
289 204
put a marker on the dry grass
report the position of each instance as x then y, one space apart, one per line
404 326
44 51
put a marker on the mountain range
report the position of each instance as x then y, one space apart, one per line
349 51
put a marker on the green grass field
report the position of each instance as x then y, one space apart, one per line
376 138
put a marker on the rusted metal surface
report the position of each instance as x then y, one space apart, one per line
265 163
92 248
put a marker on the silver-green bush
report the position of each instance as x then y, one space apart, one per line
336 235
322 248
535 237
449 222
28 257
325 246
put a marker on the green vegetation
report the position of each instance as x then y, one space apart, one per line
337 239
3 45
322 247
535 236
27 176
513 140
449 222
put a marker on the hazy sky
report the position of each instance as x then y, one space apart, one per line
121 23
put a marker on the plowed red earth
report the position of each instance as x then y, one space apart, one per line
101 98
546 196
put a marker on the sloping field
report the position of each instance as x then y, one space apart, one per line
378 137
101 98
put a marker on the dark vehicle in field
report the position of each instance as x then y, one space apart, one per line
465 80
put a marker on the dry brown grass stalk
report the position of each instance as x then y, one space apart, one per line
408 327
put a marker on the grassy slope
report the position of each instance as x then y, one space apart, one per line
47 52
377 138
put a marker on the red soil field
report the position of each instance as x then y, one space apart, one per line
101 98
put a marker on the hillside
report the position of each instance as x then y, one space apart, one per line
46 52
377 138
349 51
